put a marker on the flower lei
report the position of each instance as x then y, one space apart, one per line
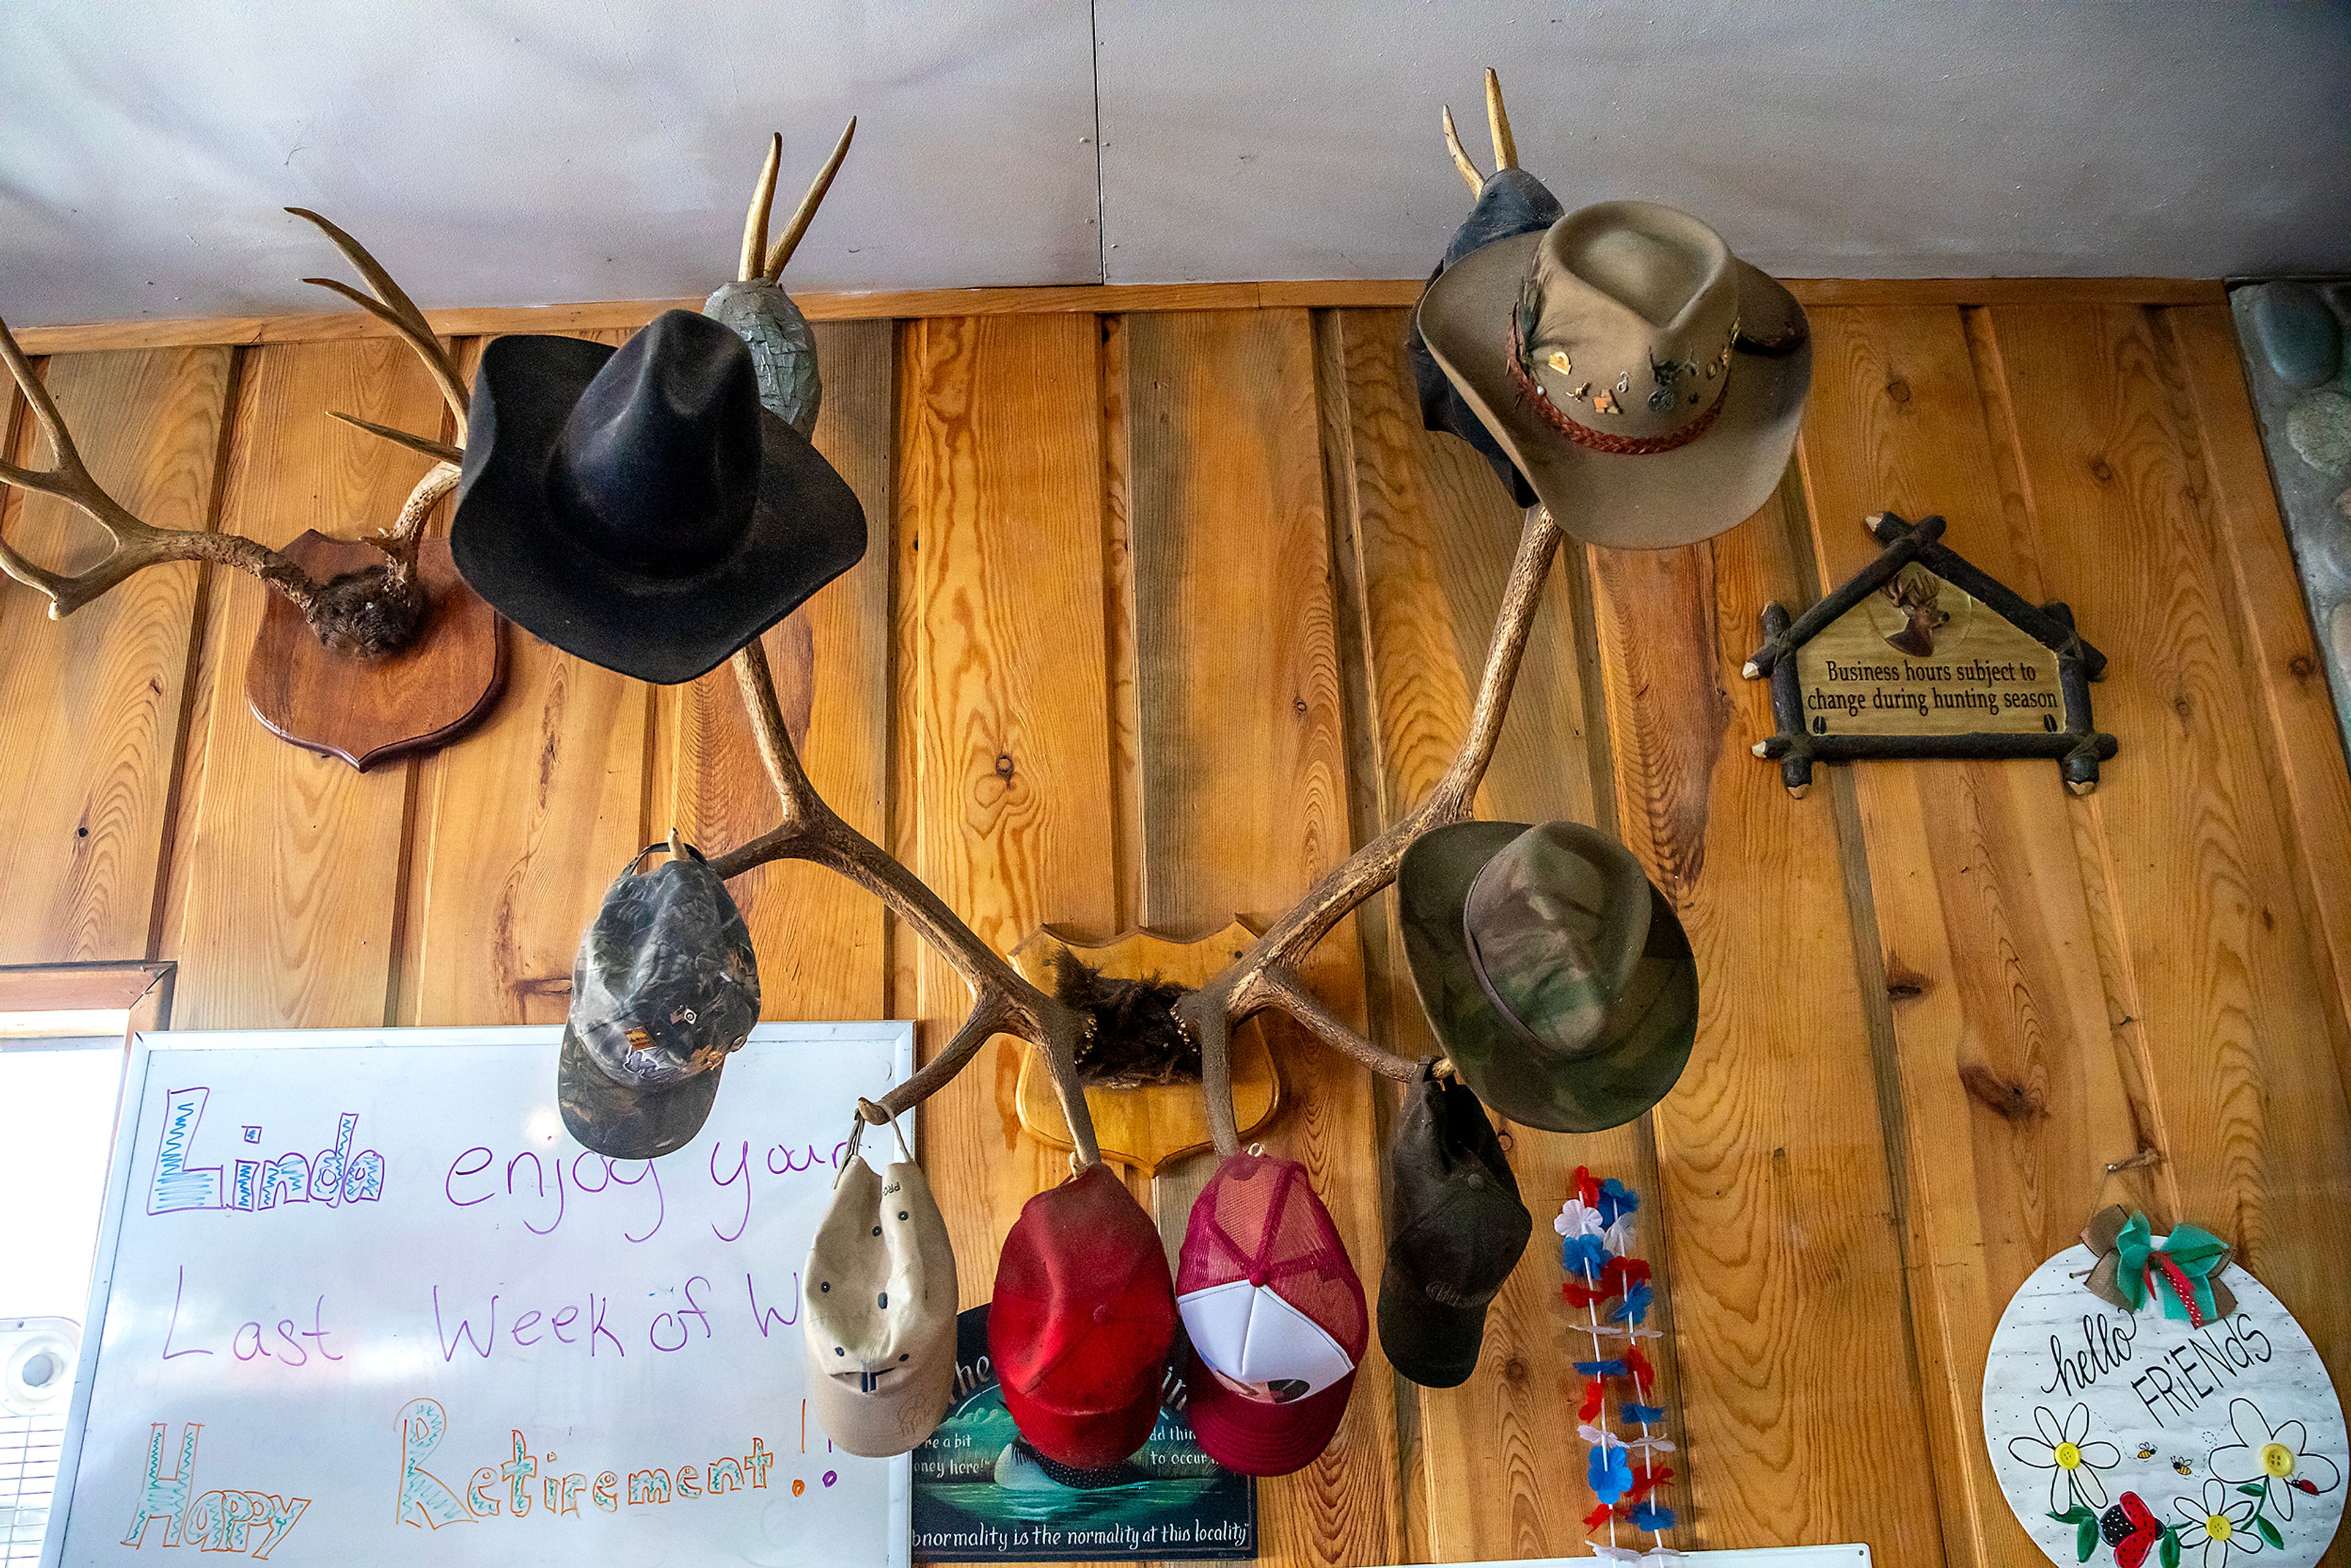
1595 1230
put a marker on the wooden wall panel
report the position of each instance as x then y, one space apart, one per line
1002 777
94 703
1160 615
1434 534
2011 1103
1244 782
518 830
2216 965
1799 1385
821 941
287 872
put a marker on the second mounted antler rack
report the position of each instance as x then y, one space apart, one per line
372 648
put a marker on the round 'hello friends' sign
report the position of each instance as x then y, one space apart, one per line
2152 1436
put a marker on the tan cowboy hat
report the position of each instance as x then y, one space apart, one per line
1646 382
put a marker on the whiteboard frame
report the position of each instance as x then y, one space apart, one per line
147 1045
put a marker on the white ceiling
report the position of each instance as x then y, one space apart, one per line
525 151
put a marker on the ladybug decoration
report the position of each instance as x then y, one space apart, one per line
2131 1530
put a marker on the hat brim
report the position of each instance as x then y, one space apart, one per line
1427 1342
806 528
891 1421
1647 501
625 1123
1086 1439
1605 1087
1252 1438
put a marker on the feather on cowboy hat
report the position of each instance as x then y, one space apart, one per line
1647 382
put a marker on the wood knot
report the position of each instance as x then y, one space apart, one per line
1514 1371
1004 769
2102 471
1899 390
2011 1101
1298 703
2299 667
1902 984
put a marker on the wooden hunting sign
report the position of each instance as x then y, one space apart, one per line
1920 654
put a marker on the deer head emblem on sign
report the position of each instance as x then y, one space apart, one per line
1917 594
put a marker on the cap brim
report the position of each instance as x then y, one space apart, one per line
1429 1342
1604 1088
807 529
891 1421
1647 501
1088 1440
1252 1438
625 1123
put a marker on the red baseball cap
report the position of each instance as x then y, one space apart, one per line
1275 1316
1083 1322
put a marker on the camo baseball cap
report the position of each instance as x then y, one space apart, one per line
1558 978
664 988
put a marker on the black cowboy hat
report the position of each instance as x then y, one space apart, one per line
637 506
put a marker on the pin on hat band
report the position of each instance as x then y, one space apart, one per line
1532 394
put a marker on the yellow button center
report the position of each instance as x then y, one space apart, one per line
2277 1459
2068 1457
2218 1526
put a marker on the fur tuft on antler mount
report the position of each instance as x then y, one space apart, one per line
365 613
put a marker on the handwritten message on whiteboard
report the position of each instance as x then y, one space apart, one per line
361 1298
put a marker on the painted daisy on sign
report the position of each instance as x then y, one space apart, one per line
2276 1460
2218 1523
2061 1449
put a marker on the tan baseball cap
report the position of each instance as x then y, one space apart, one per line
878 1312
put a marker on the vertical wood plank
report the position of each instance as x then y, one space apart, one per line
288 865
2239 1029
820 940
1435 534
95 702
518 828
1001 773
1799 1384
2011 1101
2292 675
1244 779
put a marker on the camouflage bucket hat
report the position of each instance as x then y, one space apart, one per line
1557 978
664 988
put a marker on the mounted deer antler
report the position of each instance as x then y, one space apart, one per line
366 612
1266 975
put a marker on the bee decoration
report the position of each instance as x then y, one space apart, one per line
2180 1462
2146 1450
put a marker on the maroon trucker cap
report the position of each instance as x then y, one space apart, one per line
1083 1321
1274 1314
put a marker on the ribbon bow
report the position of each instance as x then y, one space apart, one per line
2188 1261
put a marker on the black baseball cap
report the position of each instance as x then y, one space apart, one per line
664 988
1458 1230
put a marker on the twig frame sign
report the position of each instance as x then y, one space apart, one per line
1921 654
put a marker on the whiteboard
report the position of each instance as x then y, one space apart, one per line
473 1342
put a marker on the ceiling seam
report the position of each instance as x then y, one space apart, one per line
1102 218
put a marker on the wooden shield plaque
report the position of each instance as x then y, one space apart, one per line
1921 654
1148 1125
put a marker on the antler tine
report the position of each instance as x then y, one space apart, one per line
1498 124
755 225
782 255
1266 975
137 545
1461 157
1002 1002
435 449
392 307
